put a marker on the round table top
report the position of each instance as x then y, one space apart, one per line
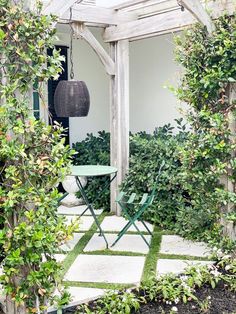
92 170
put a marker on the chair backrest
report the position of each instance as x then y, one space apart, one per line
157 179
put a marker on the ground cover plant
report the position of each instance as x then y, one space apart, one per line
33 161
195 291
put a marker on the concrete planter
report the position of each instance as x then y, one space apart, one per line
71 187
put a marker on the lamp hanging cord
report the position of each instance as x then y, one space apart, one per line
72 74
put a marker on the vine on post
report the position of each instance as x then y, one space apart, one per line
33 159
209 70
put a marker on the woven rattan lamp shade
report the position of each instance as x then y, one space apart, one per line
71 99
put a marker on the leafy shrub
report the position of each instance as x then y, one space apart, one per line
33 159
147 155
147 152
209 68
95 150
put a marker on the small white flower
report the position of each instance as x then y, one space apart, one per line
226 257
209 297
215 273
174 309
176 300
227 267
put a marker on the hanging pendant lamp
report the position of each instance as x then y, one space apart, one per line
71 98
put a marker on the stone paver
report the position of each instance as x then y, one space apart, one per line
85 222
165 266
128 243
106 269
114 223
69 245
173 244
77 210
83 295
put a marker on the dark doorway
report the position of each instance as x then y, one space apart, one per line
51 90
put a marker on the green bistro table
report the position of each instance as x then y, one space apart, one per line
93 171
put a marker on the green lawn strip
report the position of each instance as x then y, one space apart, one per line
98 285
128 232
151 259
110 252
182 257
79 247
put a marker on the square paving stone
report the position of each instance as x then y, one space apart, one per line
69 245
173 244
83 295
106 269
85 222
176 266
128 243
77 210
114 223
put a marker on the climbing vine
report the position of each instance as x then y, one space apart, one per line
33 161
209 73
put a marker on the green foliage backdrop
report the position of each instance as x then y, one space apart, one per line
209 67
33 161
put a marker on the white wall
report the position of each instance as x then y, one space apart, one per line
152 67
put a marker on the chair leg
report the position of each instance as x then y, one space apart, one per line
131 222
148 230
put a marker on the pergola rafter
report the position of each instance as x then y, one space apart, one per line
132 20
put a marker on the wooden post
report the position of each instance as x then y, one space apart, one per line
119 116
229 228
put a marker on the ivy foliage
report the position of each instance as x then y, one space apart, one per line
33 161
209 75
209 64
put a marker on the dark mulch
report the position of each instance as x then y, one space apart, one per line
222 301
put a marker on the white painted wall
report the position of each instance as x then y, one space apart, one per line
152 67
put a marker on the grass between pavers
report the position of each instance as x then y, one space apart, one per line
116 253
151 258
98 285
183 257
79 247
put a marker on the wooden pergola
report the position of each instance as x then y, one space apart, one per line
132 20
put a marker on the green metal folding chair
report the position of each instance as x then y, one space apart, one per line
133 210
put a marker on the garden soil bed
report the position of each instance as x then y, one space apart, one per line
222 301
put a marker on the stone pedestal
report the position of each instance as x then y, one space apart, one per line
71 187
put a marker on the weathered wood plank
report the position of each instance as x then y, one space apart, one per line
167 22
119 117
98 15
128 4
82 31
198 11
57 7
113 131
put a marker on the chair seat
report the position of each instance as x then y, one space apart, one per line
134 199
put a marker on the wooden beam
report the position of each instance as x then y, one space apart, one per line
128 4
58 7
119 116
157 8
82 31
167 22
198 11
92 14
